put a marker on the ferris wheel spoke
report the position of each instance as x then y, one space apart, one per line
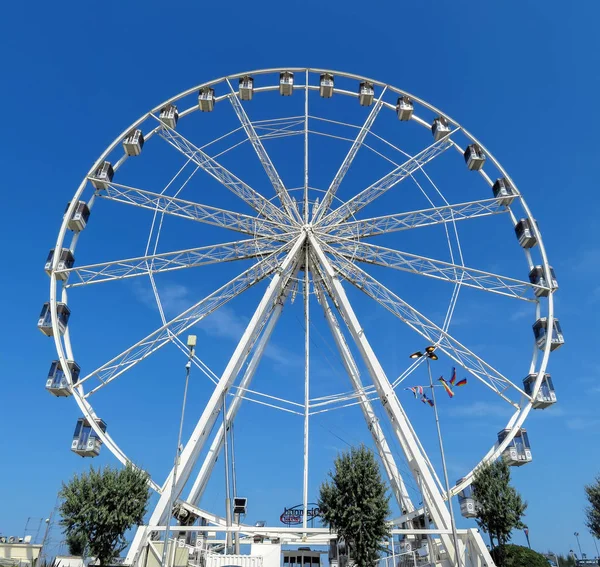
234 184
280 190
169 261
232 220
377 189
472 363
429 267
190 317
414 219
339 176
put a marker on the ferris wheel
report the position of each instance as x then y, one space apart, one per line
324 222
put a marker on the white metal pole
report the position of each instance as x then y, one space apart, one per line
448 493
227 489
306 151
188 365
306 386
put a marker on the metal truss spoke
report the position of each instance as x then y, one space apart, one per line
280 190
159 338
339 176
415 219
481 370
169 261
431 268
234 184
191 210
368 195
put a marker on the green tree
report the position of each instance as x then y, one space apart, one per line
592 512
499 506
355 504
77 542
565 560
98 507
519 556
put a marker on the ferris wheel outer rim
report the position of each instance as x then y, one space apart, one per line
66 353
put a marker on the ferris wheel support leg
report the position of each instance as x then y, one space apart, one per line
210 460
399 421
206 422
383 449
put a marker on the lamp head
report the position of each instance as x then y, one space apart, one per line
417 354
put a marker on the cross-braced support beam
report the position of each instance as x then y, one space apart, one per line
238 222
383 449
368 195
212 409
234 184
398 418
280 190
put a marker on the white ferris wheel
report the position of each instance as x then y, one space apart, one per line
325 221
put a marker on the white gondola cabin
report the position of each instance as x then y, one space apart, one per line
518 451
286 83
57 382
546 395
80 216
246 87
537 276
525 234
169 116
474 157
206 99
540 330
326 85
503 191
45 320
303 556
366 92
65 262
468 506
86 442
440 128
103 175
133 143
404 108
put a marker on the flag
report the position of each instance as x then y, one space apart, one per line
446 387
453 379
426 400
461 382
416 390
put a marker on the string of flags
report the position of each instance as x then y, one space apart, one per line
448 385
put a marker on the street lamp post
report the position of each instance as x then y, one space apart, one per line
576 534
429 355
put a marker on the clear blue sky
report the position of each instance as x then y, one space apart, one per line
521 76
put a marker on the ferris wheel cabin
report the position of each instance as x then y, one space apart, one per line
246 88
546 395
518 451
525 235
468 505
366 92
80 216
440 128
326 85
45 320
103 175
86 442
537 276
65 262
404 108
540 330
286 83
474 157
503 191
206 99
57 383
133 143
169 116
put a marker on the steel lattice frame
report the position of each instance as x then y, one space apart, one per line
284 238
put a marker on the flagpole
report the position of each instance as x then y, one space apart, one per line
448 495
